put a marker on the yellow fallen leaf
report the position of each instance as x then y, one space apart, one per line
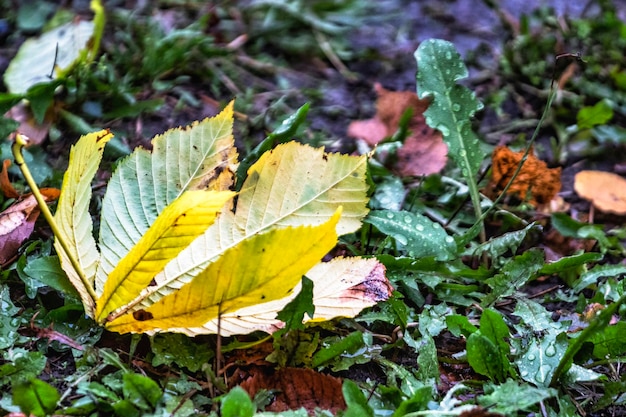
263 268
341 288
179 224
72 215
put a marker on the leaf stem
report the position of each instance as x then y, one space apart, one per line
16 148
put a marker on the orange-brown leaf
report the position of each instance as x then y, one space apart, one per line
535 182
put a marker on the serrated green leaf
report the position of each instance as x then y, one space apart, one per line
460 325
348 345
72 216
36 397
510 241
201 156
514 275
21 365
418 234
293 313
610 341
541 357
176 348
510 397
535 316
47 270
439 68
568 262
599 271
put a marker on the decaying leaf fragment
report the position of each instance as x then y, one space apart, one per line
607 191
535 182
18 221
423 152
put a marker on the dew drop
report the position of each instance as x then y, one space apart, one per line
524 373
407 219
550 350
449 239
401 239
443 129
462 153
390 215
419 228
448 55
456 107
531 357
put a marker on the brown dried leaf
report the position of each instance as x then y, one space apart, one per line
298 388
535 181
17 223
424 151
607 191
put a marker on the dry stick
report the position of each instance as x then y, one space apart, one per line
20 142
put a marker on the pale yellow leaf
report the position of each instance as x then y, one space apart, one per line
341 288
179 224
264 267
72 215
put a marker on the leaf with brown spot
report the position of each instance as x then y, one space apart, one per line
607 191
297 388
423 152
535 182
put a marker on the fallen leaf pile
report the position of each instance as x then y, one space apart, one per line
605 190
423 152
535 182
18 220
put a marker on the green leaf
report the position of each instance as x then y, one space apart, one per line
610 135
599 271
47 270
536 316
541 357
460 325
598 114
169 348
514 275
142 391
569 262
421 236
21 365
427 363
510 397
347 345
293 313
453 105
237 403
498 246
609 342
484 357
355 400
8 330
36 397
